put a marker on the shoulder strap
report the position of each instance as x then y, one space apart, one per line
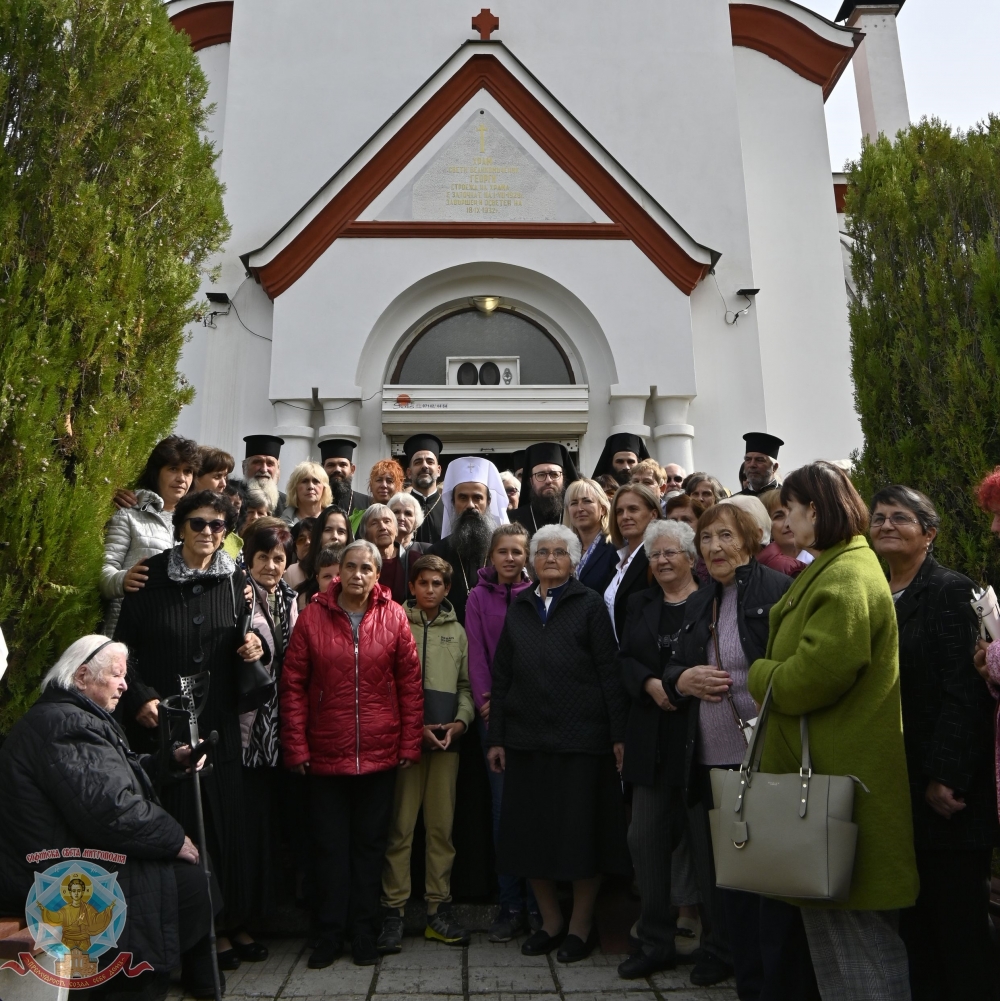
714 629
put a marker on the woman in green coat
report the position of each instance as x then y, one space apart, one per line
833 655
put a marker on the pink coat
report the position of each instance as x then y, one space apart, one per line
485 614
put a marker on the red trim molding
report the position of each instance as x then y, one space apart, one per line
840 196
207 24
790 42
481 72
495 230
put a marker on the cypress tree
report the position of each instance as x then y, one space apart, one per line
109 211
924 213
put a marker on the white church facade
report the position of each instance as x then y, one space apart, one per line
534 222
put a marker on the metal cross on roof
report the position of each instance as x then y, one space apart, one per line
485 22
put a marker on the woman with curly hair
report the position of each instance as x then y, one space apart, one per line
384 480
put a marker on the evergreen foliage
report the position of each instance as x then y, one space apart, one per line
924 213
109 209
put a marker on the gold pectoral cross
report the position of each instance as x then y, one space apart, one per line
481 129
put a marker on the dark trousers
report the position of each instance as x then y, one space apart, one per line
769 949
350 817
511 896
193 922
947 933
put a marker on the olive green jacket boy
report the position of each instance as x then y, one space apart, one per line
444 658
833 653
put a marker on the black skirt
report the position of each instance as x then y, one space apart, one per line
562 817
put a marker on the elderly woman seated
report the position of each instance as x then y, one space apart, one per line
68 777
557 721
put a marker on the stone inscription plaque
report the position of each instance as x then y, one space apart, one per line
483 174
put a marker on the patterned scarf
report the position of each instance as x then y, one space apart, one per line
222 565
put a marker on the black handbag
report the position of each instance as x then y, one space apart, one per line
255 686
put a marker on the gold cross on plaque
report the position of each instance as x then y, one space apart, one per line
481 128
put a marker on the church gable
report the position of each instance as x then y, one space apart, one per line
429 205
484 174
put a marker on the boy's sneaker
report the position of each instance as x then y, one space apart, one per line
390 939
508 925
442 927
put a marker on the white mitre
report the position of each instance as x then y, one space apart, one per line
472 469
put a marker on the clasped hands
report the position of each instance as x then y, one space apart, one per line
440 736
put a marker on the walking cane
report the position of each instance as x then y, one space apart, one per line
179 711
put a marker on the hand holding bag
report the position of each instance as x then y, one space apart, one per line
988 612
254 682
783 835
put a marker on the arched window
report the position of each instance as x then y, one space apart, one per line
471 333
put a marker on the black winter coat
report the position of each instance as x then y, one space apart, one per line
69 780
556 686
174 628
758 588
947 709
464 574
640 658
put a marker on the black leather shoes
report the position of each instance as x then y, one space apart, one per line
540 942
641 964
574 948
228 960
326 953
251 952
709 969
364 951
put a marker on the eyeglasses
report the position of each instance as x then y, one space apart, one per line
512 491
675 479
559 554
547 474
664 554
217 525
897 519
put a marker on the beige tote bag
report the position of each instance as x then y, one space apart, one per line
783 835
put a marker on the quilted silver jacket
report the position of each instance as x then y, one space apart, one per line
132 535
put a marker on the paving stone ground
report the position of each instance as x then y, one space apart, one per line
429 971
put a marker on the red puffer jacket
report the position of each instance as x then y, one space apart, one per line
347 711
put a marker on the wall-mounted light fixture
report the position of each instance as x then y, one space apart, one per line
486 303
216 299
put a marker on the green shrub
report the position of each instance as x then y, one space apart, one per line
109 209
924 213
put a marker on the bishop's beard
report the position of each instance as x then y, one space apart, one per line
342 491
266 486
548 508
472 535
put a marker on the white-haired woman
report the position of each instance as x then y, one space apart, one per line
308 492
351 700
68 777
557 721
587 510
409 517
655 736
512 485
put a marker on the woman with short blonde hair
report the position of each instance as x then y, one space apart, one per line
587 510
308 492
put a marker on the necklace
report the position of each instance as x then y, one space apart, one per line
461 564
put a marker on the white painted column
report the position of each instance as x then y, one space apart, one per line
341 418
628 409
292 419
878 71
673 436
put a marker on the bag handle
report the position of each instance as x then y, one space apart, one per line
751 760
714 630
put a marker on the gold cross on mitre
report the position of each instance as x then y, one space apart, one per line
473 466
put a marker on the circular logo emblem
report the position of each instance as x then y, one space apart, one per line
75 906
403 400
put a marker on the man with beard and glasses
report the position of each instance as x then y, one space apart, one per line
548 471
337 455
621 453
760 464
475 503
423 469
261 469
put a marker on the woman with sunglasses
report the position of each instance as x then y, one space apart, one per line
183 622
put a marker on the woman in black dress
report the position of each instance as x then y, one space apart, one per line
183 622
557 721
655 736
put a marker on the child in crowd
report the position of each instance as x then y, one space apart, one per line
327 570
302 540
500 582
431 782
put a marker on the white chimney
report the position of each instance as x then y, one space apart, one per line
878 70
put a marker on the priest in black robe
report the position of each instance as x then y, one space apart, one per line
422 459
760 463
548 471
337 457
622 451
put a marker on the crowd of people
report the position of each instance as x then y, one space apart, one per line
610 639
